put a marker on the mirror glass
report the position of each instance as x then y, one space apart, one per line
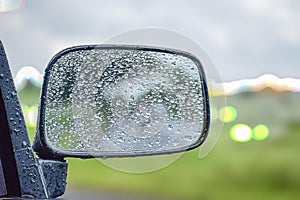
129 101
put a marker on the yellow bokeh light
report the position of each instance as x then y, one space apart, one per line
227 114
241 133
261 132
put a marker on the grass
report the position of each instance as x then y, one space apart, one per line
266 169
256 170
261 170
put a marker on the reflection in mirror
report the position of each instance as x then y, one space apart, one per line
124 102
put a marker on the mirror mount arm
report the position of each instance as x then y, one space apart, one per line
21 174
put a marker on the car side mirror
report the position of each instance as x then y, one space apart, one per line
101 101
122 101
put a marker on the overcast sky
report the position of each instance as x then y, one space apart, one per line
244 38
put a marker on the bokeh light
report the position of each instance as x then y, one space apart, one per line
260 132
241 133
227 114
266 81
11 5
28 74
30 115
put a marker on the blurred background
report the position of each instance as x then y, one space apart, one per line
255 45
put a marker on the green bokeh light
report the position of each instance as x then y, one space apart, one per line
227 114
241 133
261 132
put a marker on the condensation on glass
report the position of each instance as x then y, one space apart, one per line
123 101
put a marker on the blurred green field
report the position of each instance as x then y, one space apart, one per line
268 169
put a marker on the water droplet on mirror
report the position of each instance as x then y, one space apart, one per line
24 144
